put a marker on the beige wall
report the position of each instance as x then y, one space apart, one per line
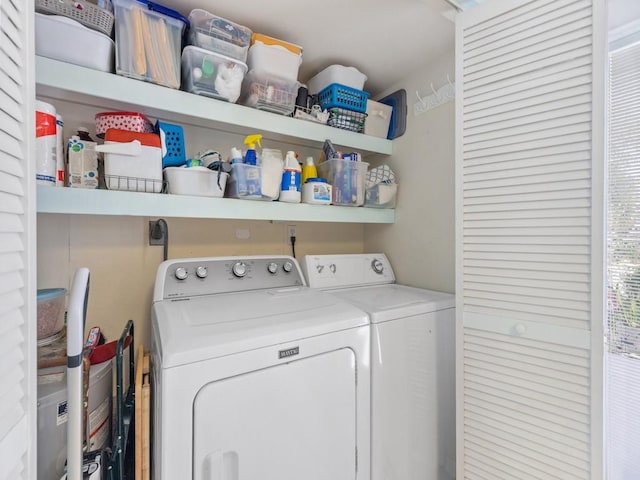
123 265
420 244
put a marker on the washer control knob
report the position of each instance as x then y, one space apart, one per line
272 267
377 266
287 267
239 269
181 273
201 272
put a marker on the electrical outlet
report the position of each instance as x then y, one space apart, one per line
290 231
156 233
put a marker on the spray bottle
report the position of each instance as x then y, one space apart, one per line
290 188
250 141
308 170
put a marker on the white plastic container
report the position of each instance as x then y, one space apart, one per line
198 181
67 40
212 74
316 191
275 60
349 76
378 118
132 161
46 144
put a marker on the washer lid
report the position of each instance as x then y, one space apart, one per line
200 328
392 301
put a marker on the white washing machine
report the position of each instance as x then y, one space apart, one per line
256 376
412 364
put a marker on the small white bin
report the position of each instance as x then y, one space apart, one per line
197 181
349 76
58 37
275 60
378 118
132 161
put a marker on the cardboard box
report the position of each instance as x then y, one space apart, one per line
82 163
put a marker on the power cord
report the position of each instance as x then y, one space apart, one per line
292 239
160 231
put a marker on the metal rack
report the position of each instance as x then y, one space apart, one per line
124 434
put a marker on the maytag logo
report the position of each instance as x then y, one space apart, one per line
289 352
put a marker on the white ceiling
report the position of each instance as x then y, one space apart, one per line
384 39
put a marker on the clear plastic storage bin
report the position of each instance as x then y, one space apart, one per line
268 92
245 182
382 195
219 35
148 43
212 74
347 179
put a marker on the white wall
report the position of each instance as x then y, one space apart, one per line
420 244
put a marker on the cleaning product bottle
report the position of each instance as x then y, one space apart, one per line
238 174
308 170
250 141
290 188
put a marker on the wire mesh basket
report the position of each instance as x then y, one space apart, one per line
347 119
135 184
86 13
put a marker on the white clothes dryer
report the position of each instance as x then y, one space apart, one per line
256 376
412 364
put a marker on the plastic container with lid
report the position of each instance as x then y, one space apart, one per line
274 59
218 34
149 41
268 92
132 121
51 310
316 191
211 74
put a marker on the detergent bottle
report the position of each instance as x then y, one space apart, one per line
308 170
250 141
290 188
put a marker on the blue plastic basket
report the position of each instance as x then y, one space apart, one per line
172 137
341 96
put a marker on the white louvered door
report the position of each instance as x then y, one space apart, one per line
529 229
17 244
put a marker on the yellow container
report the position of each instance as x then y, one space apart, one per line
265 39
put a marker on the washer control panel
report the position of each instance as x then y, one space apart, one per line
334 271
189 277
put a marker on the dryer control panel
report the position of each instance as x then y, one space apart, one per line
190 277
350 270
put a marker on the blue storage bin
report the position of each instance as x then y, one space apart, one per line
172 138
341 96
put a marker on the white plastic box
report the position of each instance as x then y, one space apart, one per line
349 76
132 161
197 181
274 60
347 179
378 118
218 34
212 74
148 43
58 37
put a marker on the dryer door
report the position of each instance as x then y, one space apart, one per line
294 421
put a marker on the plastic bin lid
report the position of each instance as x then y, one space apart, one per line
166 11
398 122
49 293
124 136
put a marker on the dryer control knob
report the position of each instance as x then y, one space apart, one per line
287 267
181 273
239 269
377 266
272 267
201 272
